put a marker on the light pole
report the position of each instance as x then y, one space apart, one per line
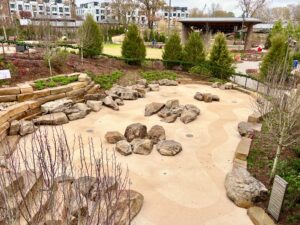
169 19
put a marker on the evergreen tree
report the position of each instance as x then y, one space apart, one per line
277 28
172 51
220 58
278 54
91 38
193 51
133 47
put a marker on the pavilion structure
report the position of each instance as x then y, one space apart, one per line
219 24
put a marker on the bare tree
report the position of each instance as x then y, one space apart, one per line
150 7
280 107
52 180
249 7
124 10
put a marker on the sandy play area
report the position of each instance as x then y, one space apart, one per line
187 189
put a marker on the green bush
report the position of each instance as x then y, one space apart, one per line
193 51
158 75
202 69
172 54
296 56
277 28
106 81
91 38
133 47
220 58
275 60
54 82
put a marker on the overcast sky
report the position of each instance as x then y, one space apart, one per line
229 5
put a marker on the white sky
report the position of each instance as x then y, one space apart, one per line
228 5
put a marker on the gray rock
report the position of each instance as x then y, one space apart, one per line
198 96
215 98
165 112
193 108
56 106
188 116
96 106
52 119
141 92
177 110
135 130
216 85
109 102
245 129
157 133
166 82
77 115
142 146
142 82
27 127
171 104
112 137
243 189
228 85
207 97
169 147
123 147
78 111
169 119
94 97
119 102
153 108
14 127
154 87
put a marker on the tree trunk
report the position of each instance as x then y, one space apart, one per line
278 152
49 64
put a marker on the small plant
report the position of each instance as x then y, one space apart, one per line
133 48
54 82
172 54
106 81
201 69
158 75
58 59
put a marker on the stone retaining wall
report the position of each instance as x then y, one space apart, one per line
29 101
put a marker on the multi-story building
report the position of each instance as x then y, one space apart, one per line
176 13
42 8
4 11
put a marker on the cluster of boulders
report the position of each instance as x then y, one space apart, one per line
171 110
114 97
225 86
206 97
94 199
21 127
138 140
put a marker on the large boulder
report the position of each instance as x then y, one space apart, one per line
153 108
243 189
207 97
198 96
193 108
135 130
165 112
56 106
109 102
245 129
166 82
129 94
142 82
169 119
14 127
168 147
27 127
157 133
94 105
188 116
77 111
52 119
112 137
154 87
171 104
142 146
123 147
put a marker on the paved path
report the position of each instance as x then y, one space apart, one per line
187 189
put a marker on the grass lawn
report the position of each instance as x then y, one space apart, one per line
115 50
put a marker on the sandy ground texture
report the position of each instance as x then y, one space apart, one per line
187 189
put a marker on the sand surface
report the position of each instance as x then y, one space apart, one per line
187 189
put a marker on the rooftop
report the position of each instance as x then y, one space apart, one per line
220 20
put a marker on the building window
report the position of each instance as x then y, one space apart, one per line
174 14
67 10
20 7
61 9
12 6
54 10
41 8
166 14
97 11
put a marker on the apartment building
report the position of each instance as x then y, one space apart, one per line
42 8
176 13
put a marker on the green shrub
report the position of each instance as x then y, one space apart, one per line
58 59
274 61
106 81
296 56
277 28
193 51
220 58
202 69
133 47
54 82
91 38
172 54
158 75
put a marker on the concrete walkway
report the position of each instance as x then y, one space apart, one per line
187 189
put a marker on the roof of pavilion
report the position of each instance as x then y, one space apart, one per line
218 20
